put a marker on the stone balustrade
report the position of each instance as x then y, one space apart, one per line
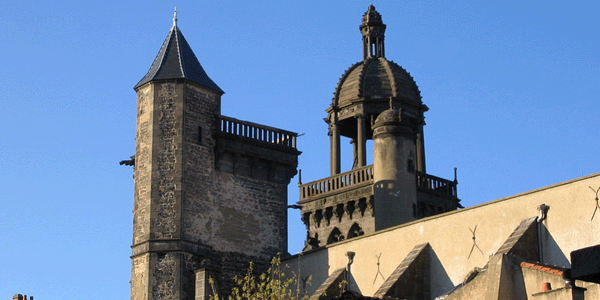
364 176
257 132
337 183
437 184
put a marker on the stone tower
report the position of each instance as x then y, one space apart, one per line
365 90
375 99
394 187
210 191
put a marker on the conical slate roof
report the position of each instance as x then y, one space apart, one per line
177 60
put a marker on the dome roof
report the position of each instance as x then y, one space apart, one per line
389 116
376 78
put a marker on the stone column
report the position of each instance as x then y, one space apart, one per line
354 153
420 150
361 141
334 136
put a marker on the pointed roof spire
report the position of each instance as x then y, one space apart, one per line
175 17
177 60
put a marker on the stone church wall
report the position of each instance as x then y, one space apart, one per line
568 227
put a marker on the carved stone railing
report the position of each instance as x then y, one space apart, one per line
339 182
257 132
437 184
364 176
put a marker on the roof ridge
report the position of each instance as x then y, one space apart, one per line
388 70
178 44
361 76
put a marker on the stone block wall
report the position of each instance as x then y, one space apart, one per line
191 212
338 217
143 165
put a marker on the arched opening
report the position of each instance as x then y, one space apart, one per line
335 236
355 231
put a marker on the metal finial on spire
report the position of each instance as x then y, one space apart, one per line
175 17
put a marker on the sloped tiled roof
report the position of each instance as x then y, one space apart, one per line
554 270
176 60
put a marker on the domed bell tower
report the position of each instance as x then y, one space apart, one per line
365 90
378 100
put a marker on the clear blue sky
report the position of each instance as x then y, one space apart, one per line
513 90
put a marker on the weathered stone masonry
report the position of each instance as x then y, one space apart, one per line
210 191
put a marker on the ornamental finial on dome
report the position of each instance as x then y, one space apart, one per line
373 30
371 16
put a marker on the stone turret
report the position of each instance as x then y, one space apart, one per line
210 191
395 184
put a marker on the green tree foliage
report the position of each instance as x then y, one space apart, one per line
273 284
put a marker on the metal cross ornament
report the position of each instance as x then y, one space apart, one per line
597 206
474 242
378 270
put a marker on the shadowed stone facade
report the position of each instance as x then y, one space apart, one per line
210 191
